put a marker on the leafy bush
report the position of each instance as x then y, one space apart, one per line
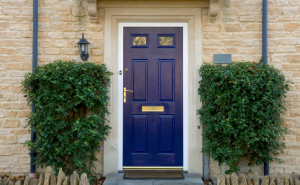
70 104
241 115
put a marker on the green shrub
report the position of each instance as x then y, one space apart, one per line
241 115
70 104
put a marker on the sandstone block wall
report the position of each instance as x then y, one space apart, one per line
61 23
238 31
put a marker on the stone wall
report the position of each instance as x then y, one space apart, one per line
61 23
238 31
50 177
253 179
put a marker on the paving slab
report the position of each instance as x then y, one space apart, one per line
189 179
117 179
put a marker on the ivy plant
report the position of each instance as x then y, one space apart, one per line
70 103
242 112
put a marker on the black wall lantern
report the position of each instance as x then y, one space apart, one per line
83 45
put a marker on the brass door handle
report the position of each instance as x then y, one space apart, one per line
125 93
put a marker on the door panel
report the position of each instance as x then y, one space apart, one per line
153 71
140 70
139 133
166 79
166 133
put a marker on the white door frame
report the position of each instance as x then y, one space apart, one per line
185 87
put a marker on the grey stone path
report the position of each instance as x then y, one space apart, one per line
117 179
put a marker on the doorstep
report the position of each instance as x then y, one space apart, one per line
117 179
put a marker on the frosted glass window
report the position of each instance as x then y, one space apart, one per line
139 41
165 41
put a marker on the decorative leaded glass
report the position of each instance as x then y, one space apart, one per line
165 41
139 41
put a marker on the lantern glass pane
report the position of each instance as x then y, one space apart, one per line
82 48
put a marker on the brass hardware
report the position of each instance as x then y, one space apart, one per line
152 168
126 69
153 108
125 93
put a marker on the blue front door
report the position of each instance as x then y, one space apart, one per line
153 100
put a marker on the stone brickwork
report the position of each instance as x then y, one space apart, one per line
238 31
61 23
49 178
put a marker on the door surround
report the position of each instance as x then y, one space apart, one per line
190 20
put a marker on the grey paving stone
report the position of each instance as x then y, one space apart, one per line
189 179
117 179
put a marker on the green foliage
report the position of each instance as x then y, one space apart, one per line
241 115
70 104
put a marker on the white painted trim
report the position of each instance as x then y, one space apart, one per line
185 88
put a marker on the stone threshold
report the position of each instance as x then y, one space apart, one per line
117 179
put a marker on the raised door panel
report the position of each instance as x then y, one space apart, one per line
140 69
166 80
166 133
139 133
